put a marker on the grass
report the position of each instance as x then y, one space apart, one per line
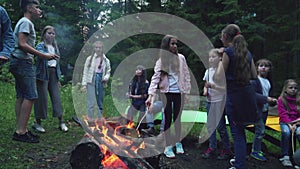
54 143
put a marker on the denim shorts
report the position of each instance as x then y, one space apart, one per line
25 80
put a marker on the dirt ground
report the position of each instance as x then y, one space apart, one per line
190 160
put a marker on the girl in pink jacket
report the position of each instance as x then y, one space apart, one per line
172 78
289 117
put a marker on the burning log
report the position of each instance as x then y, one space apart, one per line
88 154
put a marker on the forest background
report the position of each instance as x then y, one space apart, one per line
272 29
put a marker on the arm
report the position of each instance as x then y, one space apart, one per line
7 32
23 45
282 112
187 77
107 70
85 73
222 68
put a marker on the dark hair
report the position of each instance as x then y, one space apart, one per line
142 88
167 58
25 3
241 59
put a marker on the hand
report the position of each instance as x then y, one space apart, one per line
83 89
272 101
3 59
52 56
186 98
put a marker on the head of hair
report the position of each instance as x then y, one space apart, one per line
96 43
141 80
284 94
25 3
269 74
242 72
168 59
44 31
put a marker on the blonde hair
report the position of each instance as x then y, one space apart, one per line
94 45
54 43
283 95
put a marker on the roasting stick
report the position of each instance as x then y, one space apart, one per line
142 119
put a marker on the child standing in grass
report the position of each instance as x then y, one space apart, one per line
21 66
264 67
289 116
215 94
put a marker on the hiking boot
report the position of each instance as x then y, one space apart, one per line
285 161
169 152
26 137
258 156
179 148
208 153
224 155
63 127
38 128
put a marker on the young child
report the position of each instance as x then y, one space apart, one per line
264 67
215 94
138 93
289 115
95 76
21 66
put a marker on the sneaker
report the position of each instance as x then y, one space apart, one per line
149 130
169 152
232 161
179 148
38 128
208 153
26 137
258 155
285 161
63 127
297 167
224 155
232 168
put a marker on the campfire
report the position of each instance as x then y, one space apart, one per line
115 144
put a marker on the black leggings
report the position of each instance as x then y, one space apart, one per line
174 105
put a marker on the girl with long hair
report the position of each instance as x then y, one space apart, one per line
171 76
48 74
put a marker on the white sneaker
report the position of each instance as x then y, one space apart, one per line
63 127
38 128
285 161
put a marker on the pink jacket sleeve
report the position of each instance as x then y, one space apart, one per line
282 112
155 78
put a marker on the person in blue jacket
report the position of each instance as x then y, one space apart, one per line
47 78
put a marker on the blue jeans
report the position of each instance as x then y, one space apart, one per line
99 89
259 132
286 138
25 81
238 135
218 118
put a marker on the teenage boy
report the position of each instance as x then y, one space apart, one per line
21 66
